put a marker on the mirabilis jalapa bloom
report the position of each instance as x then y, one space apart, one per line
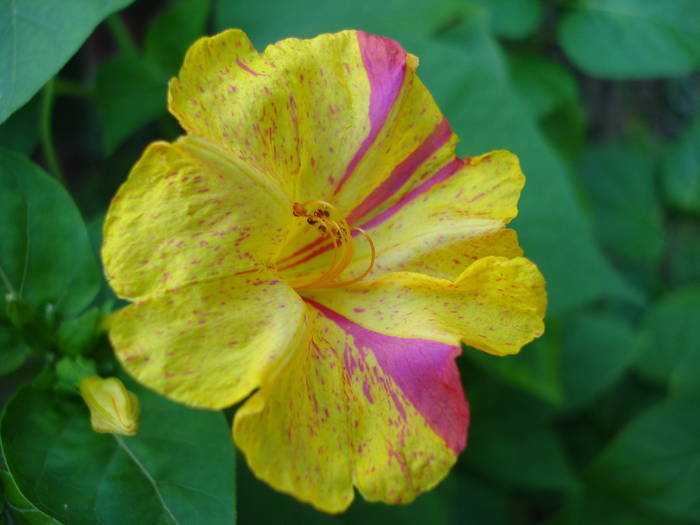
313 244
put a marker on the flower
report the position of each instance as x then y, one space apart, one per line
314 241
113 409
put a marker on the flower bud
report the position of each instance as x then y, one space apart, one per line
113 409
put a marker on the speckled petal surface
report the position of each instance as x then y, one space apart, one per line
496 305
439 227
186 214
386 414
209 344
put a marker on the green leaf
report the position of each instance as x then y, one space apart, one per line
466 73
672 354
38 37
620 183
20 507
535 369
596 351
173 31
13 350
622 39
654 462
45 254
512 18
20 132
76 336
179 468
130 92
545 85
70 371
683 252
681 171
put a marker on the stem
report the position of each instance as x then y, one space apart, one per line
71 88
47 100
121 35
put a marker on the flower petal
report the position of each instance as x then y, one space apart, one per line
496 305
340 117
187 214
209 344
440 226
354 406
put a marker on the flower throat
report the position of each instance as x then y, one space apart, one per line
326 218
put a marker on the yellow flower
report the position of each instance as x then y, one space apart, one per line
314 240
113 409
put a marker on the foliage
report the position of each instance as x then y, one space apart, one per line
597 422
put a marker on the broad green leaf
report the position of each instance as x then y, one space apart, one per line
20 508
13 350
173 31
596 351
38 37
130 93
683 252
654 462
545 85
518 446
622 39
512 18
20 132
620 183
681 171
178 469
466 73
75 336
45 255
673 350
535 369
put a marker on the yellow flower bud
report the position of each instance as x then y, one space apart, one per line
113 409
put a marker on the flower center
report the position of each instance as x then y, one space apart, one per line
335 228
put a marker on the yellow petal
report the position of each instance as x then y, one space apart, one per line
496 305
113 408
188 213
210 343
356 407
440 226
333 118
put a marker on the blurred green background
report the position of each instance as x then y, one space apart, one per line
598 421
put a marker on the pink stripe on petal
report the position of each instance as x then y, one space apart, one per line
385 63
401 173
442 175
424 370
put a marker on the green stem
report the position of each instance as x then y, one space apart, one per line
69 88
50 156
121 35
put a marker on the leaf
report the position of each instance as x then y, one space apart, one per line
672 354
535 369
20 507
625 39
130 92
466 74
76 336
173 31
681 171
620 183
21 131
38 37
545 85
512 18
45 255
516 445
13 351
596 351
683 252
179 468
655 461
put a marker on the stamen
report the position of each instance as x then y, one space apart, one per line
340 234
